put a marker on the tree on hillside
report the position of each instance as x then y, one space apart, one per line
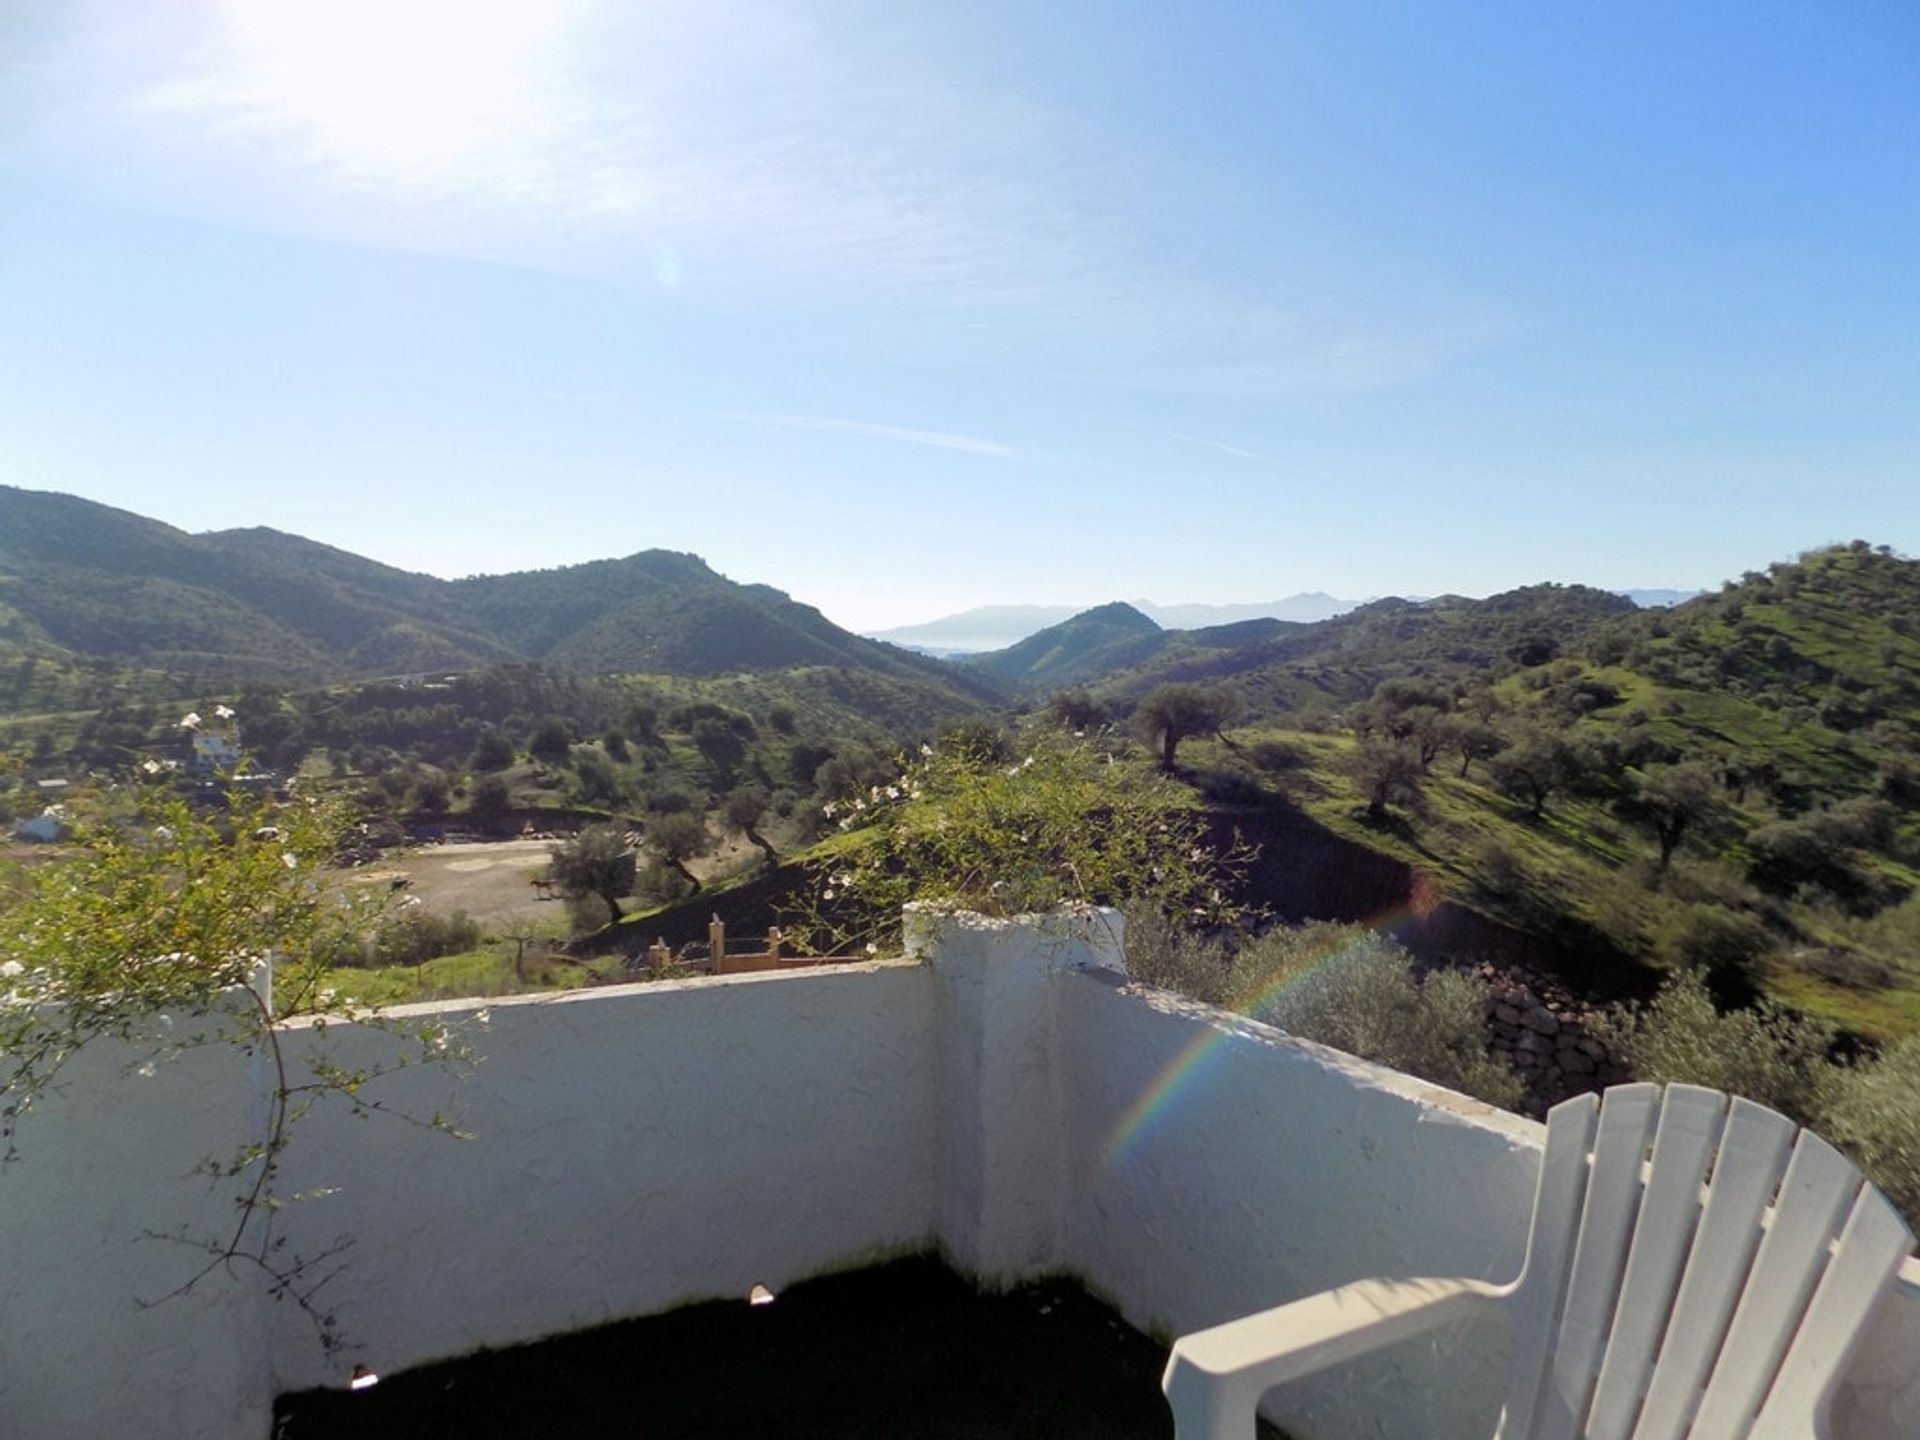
679 838
1537 766
492 751
1076 710
723 747
431 793
1669 798
742 813
551 741
1470 739
1174 713
1385 772
597 782
491 798
594 862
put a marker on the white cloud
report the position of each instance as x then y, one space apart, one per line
937 439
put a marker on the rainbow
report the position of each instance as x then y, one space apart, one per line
1184 1073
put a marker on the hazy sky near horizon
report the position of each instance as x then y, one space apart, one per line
906 309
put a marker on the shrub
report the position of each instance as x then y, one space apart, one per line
431 793
1065 824
409 935
551 740
1172 956
1494 868
1355 990
1766 1053
597 782
492 751
1275 756
1726 946
491 798
1874 1115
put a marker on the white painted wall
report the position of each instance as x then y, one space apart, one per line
649 1144
104 1162
632 1149
1004 1095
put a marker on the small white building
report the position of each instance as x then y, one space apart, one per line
216 742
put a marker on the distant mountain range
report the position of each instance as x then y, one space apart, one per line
84 583
79 579
1119 652
995 627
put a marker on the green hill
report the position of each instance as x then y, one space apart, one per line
1081 648
1119 654
1734 783
83 583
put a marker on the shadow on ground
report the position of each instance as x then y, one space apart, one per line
906 1349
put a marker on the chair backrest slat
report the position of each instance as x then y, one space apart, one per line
1701 1295
1683 1148
1556 1216
1627 1119
1753 1153
1814 1198
1870 1250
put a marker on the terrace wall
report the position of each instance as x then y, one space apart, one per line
636 1147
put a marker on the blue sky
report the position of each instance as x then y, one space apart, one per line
910 308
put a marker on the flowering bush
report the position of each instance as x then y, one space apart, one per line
1062 820
151 930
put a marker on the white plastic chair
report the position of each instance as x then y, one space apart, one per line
1714 1293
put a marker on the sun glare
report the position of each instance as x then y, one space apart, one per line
399 82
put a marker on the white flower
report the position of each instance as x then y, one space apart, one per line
828 809
872 949
10 968
1026 762
152 767
926 749
846 824
826 894
223 712
893 792
190 721
286 859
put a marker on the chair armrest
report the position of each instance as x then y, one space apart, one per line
1216 1377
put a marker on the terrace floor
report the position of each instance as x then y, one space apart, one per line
906 1349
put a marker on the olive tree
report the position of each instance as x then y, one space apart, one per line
1174 713
597 861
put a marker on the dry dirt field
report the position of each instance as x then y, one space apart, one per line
488 880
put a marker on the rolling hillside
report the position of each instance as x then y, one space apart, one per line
1119 653
81 582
